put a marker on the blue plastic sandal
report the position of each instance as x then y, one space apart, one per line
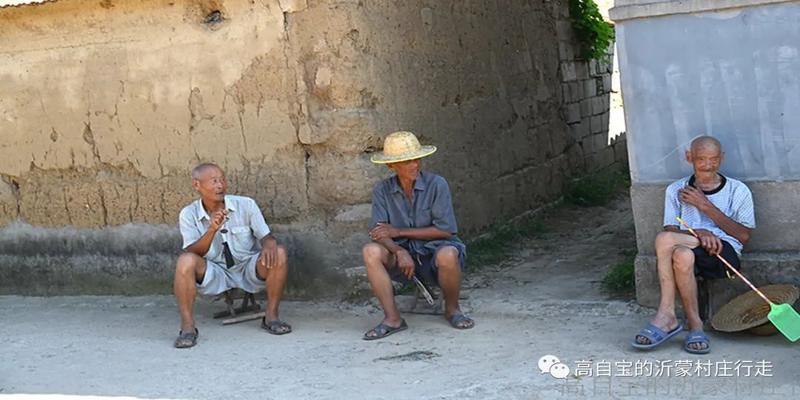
697 337
656 336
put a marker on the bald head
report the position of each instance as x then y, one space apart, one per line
209 181
705 155
705 142
200 169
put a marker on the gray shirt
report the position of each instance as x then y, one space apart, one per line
245 224
431 205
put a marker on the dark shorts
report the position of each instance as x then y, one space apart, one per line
710 267
425 266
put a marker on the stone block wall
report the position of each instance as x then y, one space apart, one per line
586 92
106 106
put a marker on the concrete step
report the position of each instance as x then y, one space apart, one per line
760 268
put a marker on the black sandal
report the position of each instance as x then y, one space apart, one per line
383 330
186 339
276 327
461 321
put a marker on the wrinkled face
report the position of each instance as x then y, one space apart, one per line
211 184
705 159
406 170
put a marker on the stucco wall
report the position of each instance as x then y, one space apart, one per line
733 73
107 105
730 69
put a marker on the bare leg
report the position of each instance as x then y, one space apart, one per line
275 278
666 244
378 260
683 267
190 269
449 275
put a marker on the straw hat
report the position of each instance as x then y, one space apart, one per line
750 310
401 146
766 329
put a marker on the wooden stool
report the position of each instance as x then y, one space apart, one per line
704 302
248 310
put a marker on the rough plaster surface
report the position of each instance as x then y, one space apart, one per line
731 74
107 112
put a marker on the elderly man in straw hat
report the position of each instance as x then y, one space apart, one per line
413 231
720 210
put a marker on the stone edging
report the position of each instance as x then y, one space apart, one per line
632 11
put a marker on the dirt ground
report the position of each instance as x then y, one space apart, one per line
545 299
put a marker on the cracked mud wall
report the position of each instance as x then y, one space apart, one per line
106 106
478 79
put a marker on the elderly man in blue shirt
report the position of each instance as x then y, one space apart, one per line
413 232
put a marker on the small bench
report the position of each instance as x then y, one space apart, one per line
248 310
705 302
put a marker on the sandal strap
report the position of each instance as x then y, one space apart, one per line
653 333
697 338
275 326
188 335
381 329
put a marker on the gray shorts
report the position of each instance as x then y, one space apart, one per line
218 278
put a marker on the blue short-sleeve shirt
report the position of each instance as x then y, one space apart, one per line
431 205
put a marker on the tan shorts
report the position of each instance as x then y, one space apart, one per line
218 278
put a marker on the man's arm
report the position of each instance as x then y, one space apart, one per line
676 229
731 227
382 231
696 198
269 251
404 261
390 245
262 233
201 246
443 221
672 209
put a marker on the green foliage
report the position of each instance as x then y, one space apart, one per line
596 189
407 288
594 33
494 246
620 278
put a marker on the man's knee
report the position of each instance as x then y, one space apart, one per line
665 239
683 260
447 258
283 256
187 264
373 253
